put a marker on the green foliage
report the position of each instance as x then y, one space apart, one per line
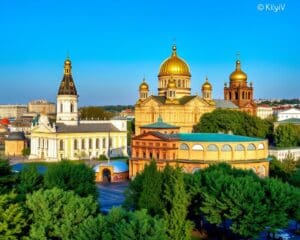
26 152
69 176
176 203
102 157
7 177
150 196
239 123
286 136
12 217
137 225
95 113
57 214
29 180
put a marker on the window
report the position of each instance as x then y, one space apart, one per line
184 146
226 148
239 147
61 145
83 144
251 147
61 107
71 108
75 144
197 147
97 143
90 143
144 154
212 148
260 146
104 143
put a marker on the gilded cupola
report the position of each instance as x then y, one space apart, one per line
206 85
144 86
238 75
174 66
67 85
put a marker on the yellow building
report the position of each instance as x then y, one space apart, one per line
174 102
72 138
194 151
15 143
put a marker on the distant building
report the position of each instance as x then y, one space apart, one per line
288 114
15 143
193 151
293 121
12 111
111 171
127 113
41 106
264 111
283 153
72 138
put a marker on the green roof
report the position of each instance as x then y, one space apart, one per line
159 125
215 137
290 120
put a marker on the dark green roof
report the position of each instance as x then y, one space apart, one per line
214 137
159 125
290 120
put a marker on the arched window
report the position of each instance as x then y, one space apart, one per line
226 148
104 143
229 95
261 146
71 108
97 143
75 144
61 107
261 171
195 170
236 95
251 147
212 148
83 144
243 95
239 147
184 146
61 145
197 147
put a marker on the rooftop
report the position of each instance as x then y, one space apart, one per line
86 127
214 137
290 120
159 124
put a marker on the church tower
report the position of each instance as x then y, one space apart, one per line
207 90
177 69
143 90
67 98
239 92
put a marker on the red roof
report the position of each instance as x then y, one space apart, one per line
4 121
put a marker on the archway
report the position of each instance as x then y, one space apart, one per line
106 175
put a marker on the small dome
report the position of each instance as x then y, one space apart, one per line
174 66
238 75
144 86
206 85
68 61
118 166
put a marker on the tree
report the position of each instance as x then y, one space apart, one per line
26 152
286 136
176 202
92 112
102 157
150 197
240 123
7 177
57 214
12 217
69 176
137 225
29 180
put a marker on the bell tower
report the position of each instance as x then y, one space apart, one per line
67 98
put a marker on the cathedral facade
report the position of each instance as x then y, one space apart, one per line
71 138
174 101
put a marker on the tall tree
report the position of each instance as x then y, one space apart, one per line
286 136
176 204
7 177
12 217
57 214
69 176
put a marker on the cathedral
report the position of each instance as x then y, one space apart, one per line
70 137
177 106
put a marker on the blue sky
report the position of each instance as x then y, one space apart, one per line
113 44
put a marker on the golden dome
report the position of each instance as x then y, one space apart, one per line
144 86
174 66
68 61
238 75
207 85
171 83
